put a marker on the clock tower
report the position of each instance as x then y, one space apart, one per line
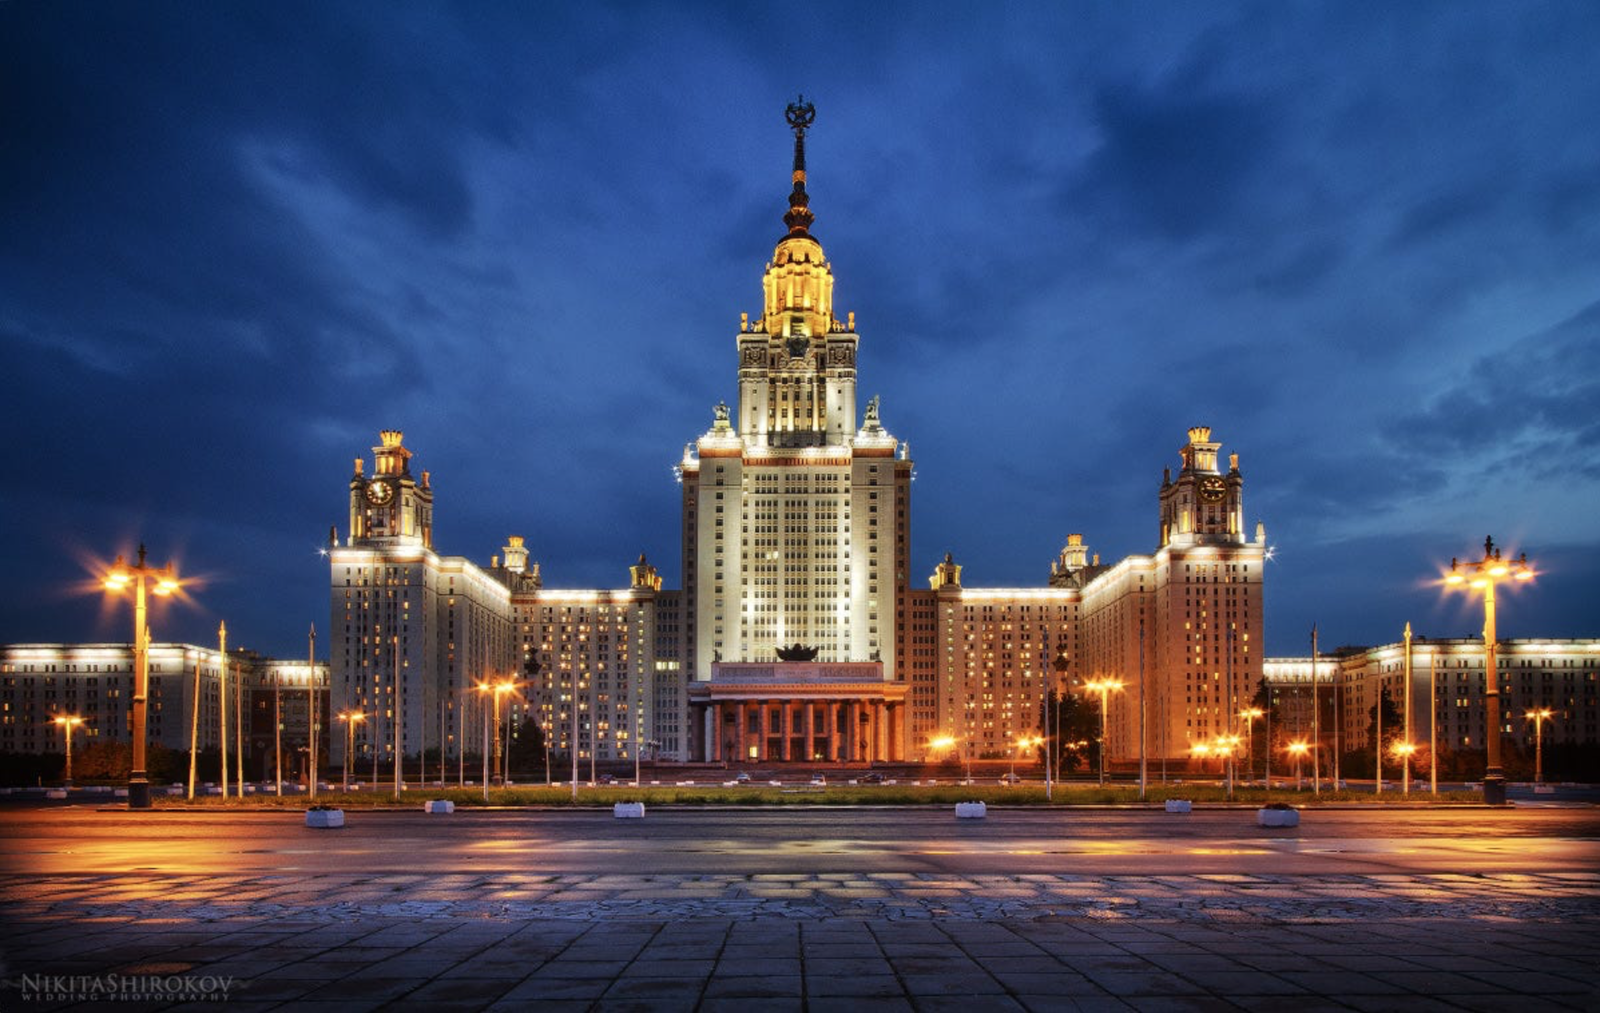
1202 506
391 506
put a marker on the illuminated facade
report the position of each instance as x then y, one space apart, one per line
797 635
795 532
416 634
95 682
1562 675
1179 629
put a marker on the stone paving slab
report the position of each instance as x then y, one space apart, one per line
830 942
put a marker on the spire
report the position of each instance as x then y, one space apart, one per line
800 114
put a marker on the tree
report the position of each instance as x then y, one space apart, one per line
1074 725
1265 729
525 751
1393 727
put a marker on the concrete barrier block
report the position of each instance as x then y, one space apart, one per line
971 810
628 810
439 805
324 819
1285 817
1179 805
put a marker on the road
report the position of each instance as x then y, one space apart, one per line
1079 841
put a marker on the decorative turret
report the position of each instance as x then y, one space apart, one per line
516 554
643 576
948 574
390 457
1074 567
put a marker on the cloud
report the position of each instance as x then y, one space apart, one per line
1529 408
1175 162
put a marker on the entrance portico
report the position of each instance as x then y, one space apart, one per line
798 712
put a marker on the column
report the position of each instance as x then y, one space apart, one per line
763 725
786 729
832 737
811 730
741 721
713 732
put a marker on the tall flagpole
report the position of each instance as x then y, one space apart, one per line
1142 750
277 730
194 729
238 728
1316 719
311 683
222 702
1433 722
398 743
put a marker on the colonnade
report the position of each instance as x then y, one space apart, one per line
801 730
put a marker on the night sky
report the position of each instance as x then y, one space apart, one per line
1359 240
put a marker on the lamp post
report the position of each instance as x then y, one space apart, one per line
120 576
1227 747
350 719
1298 750
1538 717
68 722
1410 739
1104 687
1027 742
1484 575
1250 714
1051 699
944 742
1403 751
497 688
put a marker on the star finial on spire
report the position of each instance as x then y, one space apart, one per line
800 114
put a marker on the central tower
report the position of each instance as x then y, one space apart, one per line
796 520
797 363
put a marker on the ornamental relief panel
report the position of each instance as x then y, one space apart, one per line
841 355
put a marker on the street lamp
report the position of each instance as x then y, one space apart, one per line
1024 743
120 576
350 719
1298 749
1484 575
1250 714
1104 687
70 721
1538 717
945 742
1227 747
503 686
1403 751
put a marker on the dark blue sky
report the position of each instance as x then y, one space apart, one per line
1359 240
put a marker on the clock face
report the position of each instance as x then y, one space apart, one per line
1212 488
379 492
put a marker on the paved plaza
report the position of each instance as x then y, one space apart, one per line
814 942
